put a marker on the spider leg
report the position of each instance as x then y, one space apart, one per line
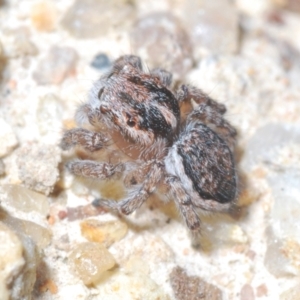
93 169
212 118
184 203
164 76
189 93
138 196
89 140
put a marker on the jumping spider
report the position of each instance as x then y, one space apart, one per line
136 114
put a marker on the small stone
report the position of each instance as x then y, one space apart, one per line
11 260
192 287
93 18
18 263
40 235
221 231
272 138
18 43
83 211
291 294
43 16
59 64
2 167
101 61
262 290
130 285
38 166
212 32
167 44
8 140
282 257
49 115
22 199
292 5
247 292
106 233
90 261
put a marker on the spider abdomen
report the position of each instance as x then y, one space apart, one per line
204 163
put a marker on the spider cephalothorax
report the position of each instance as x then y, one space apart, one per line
190 154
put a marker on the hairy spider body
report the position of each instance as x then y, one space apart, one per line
139 114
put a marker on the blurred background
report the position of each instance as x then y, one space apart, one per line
245 54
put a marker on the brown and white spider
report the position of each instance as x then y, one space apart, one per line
177 140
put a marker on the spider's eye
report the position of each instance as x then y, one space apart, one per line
131 123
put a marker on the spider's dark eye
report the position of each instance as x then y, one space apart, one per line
131 123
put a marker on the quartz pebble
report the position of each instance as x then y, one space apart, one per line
8 140
291 294
2 167
167 44
18 263
59 64
90 261
283 234
22 199
11 260
192 287
38 166
106 233
221 231
40 235
93 18
247 292
213 26
43 15
18 43
272 138
131 285
49 114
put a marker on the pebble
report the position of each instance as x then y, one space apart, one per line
38 166
101 61
105 233
93 18
83 211
221 231
18 43
11 261
247 292
2 167
59 64
43 15
90 261
272 137
212 32
291 294
49 115
22 199
283 234
8 140
18 263
262 290
130 285
187 287
167 44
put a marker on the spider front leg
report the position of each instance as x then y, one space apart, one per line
189 93
91 141
139 195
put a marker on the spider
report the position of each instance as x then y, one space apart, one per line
176 140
